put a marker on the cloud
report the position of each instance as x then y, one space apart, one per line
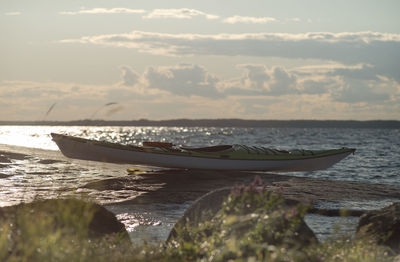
350 84
283 82
295 19
336 83
182 13
193 80
12 13
379 50
327 91
129 76
255 77
361 71
359 92
116 10
379 91
318 86
248 20
266 44
29 100
260 80
183 80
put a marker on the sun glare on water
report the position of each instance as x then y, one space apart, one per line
29 136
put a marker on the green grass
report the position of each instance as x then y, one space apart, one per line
251 226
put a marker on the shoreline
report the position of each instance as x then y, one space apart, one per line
150 201
302 123
298 187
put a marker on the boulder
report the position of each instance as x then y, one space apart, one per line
381 227
72 217
263 216
201 210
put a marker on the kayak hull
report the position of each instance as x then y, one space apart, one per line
86 150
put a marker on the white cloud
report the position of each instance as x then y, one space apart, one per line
330 91
260 80
116 10
295 19
182 13
358 39
379 50
12 13
248 20
337 83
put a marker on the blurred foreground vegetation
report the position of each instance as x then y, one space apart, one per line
252 225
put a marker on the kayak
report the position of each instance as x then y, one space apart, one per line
222 157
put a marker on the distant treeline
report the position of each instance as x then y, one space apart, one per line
220 123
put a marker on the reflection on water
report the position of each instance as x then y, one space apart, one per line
31 177
23 179
375 161
150 223
32 136
325 227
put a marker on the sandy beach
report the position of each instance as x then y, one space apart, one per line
151 200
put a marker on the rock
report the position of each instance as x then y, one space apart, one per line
381 227
172 186
336 212
11 155
271 222
77 217
4 159
49 161
203 209
2 175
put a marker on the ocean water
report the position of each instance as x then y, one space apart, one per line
377 161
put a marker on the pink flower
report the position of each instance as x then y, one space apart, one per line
257 181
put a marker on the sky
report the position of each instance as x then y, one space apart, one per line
254 59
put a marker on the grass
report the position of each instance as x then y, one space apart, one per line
253 225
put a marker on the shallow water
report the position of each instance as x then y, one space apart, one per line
146 223
375 161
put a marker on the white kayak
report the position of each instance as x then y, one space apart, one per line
226 157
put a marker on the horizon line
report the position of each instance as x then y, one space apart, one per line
220 122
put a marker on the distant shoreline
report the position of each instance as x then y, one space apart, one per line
218 123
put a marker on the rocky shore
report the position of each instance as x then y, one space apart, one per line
152 185
111 185
244 222
178 186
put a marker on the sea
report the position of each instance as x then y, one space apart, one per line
376 161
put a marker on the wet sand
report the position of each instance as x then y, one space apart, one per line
150 201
